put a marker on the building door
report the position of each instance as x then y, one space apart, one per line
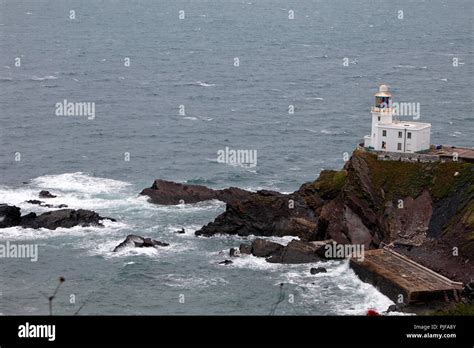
407 139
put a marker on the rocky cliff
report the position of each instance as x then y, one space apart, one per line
425 210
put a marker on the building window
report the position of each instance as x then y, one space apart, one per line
378 118
384 133
399 146
383 145
400 134
409 135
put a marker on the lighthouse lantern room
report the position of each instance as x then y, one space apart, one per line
392 135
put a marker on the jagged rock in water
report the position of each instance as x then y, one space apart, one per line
296 252
264 248
265 213
245 249
316 270
134 241
43 204
172 193
225 262
62 218
9 216
46 194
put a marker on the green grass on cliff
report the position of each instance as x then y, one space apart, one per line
445 182
402 179
468 217
329 183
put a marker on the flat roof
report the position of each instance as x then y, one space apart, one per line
448 151
405 125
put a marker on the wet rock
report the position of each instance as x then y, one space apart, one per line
46 194
181 231
264 248
62 218
399 307
134 241
245 249
225 262
9 216
35 201
316 270
233 252
45 205
296 252
172 193
265 213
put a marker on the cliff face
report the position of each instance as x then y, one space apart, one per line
399 202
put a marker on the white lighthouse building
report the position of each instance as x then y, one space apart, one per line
389 134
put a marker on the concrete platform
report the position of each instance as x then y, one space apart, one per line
447 151
402 279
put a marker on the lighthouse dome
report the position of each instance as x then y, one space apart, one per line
383 91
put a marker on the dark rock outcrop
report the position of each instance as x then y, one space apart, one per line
265 213
172 193
46 194
9 216
316 270
245 249
225 262
134 241
264 248
66 218
294 252
233 252
43 204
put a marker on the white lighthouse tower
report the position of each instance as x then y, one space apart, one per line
392 135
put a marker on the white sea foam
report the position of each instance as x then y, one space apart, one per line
104 247
347 296
79 182
204 84
326 131
190 281
20 233
78 191
255 263
49 77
